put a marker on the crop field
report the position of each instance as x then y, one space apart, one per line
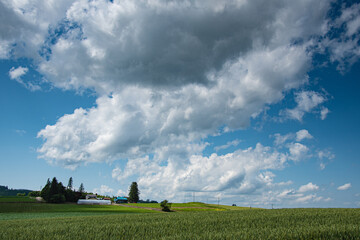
69 221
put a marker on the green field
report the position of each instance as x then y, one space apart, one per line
185 207
70 221
47 210
16 199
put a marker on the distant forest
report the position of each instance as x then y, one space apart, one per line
5 191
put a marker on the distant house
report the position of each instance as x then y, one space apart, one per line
121 199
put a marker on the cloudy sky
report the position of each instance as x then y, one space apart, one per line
247 102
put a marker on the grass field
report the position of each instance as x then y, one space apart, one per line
69 221
16 199
191 206
43 210
12 208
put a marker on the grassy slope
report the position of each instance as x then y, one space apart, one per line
246 224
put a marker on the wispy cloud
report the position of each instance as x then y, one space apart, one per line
20 132
17 73
227 145
306 101
324 112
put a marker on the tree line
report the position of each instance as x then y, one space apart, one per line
5 191
55 192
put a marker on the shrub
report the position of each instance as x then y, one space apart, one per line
165 206
34 194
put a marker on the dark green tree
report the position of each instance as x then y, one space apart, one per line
53 192
70 183
165 206
54 187
56 192
134 193
69 193
81 188
45 192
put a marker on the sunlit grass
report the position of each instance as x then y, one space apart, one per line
25 210
246 224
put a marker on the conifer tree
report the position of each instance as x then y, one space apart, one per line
70 184
46 190
134 193
81 188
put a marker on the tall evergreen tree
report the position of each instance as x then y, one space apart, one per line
81 188
54 187
134 193
53 192
70 184
45 192
56 192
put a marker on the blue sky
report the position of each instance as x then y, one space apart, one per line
219 99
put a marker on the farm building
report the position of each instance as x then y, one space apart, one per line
91 196
93 202
121 200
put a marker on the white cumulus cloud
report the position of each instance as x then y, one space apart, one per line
306 101
17 73
324 112
242 171
137 120
303 134
346 186
298 151
308 187
345 49
168 74
103 190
